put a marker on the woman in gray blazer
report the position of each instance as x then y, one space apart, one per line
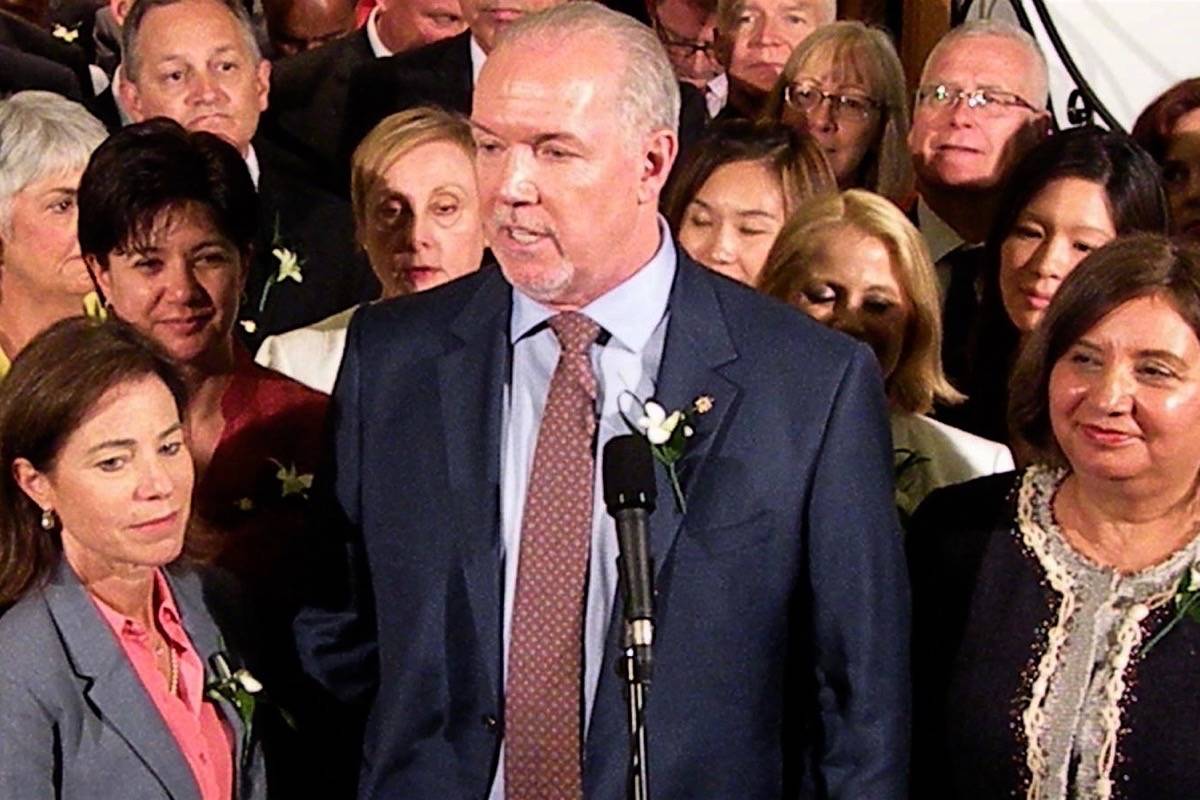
113 678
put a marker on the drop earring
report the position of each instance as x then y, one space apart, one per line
48 520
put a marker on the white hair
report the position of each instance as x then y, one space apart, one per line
42 134
649 90
1000 29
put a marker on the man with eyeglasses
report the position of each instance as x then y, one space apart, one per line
688 30
980 106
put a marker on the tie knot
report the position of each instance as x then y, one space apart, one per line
575 332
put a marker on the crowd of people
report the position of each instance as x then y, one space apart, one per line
316 317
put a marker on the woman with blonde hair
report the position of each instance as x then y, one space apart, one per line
852 261
416 213
845 86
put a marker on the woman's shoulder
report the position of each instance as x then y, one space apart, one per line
310 355
960 451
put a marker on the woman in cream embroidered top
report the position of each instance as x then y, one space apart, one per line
1053 655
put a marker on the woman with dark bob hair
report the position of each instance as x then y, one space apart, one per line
110 655
1071 194
727 201
1169 129
1054 624
166 222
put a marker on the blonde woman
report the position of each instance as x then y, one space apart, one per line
852 261
416 213
845 86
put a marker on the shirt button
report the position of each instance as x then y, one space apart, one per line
490 722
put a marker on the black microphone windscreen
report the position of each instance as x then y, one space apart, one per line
628 470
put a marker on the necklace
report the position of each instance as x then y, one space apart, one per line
173 681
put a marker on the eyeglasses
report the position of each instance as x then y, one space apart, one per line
681 46
990 102
806 96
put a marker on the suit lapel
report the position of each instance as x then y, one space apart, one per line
469 377
113 688
697 346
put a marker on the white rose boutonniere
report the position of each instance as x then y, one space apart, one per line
668 434
68 35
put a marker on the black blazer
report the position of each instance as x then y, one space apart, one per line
780 646
23 35
20 71
981 608
440 74
307 107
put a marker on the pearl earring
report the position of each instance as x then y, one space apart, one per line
48 520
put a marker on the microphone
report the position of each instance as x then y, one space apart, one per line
629 494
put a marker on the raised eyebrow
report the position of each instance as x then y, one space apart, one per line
128 444
178 426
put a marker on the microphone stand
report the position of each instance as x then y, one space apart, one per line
635 667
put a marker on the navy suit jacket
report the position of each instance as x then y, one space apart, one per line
782 635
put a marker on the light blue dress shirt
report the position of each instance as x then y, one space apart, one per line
634 316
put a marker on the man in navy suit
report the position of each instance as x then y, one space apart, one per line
781 640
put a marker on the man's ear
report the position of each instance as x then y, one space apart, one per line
131 99
658 155
33 483
119 10
262 76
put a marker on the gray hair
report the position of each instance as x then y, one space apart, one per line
649 90
41 134
1000 29
132 26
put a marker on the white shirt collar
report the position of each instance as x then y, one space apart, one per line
377 46
716 94
629 311
252 165
938 234
477 59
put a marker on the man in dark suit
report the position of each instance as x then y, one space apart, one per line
196 61
444 74
965 139
478 623
24 36
308 91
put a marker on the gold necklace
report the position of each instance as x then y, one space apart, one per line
173 670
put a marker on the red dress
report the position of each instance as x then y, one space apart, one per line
253 500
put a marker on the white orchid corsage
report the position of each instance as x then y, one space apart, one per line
668 434
288 269
1186 603
240 689
291 481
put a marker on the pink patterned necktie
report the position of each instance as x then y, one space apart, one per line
542 748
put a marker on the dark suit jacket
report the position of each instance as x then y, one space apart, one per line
307 107
20 71
782 598
319 228
75 721
440 74
22 35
